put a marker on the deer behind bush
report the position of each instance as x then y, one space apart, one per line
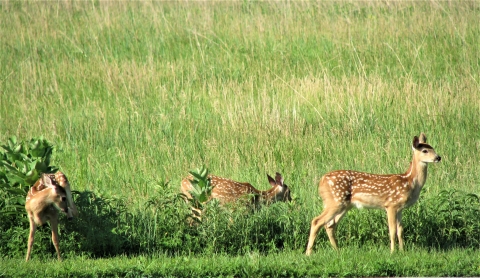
230 191
49 195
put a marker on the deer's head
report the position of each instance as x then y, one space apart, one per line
58 195
279 191
424 151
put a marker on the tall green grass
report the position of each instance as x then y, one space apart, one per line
136 94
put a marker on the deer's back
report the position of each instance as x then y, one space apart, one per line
364 189
223 189
227 190
38 209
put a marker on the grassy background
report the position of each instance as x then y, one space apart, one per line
135 94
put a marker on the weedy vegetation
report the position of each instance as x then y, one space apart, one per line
129 96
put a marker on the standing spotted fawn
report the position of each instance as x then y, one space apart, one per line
343 189
228 191
45 198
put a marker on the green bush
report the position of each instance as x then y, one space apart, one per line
445 221
201 189
24 161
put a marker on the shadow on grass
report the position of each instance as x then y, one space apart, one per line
101 229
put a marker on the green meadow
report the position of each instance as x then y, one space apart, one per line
135 94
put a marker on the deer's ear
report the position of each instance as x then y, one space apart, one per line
416 142
47 181
61 179
279 178
271 181
423 138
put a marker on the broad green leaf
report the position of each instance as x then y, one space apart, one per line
12 141
21 166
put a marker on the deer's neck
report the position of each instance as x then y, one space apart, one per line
42 199
267 195
417 173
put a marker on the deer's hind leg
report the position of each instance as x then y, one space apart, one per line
328 215
331 227
54 226
31 237
400 230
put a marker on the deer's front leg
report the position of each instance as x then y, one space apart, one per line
318 222
392 226
31 237
331 227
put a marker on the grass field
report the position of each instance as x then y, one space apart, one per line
135 94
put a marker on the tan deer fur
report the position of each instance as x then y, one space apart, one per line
341 190
228 191
45 198
62 180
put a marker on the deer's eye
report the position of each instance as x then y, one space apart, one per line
424 151
64 199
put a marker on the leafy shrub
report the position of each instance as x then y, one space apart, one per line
201 188
23 162
164 225
445 221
